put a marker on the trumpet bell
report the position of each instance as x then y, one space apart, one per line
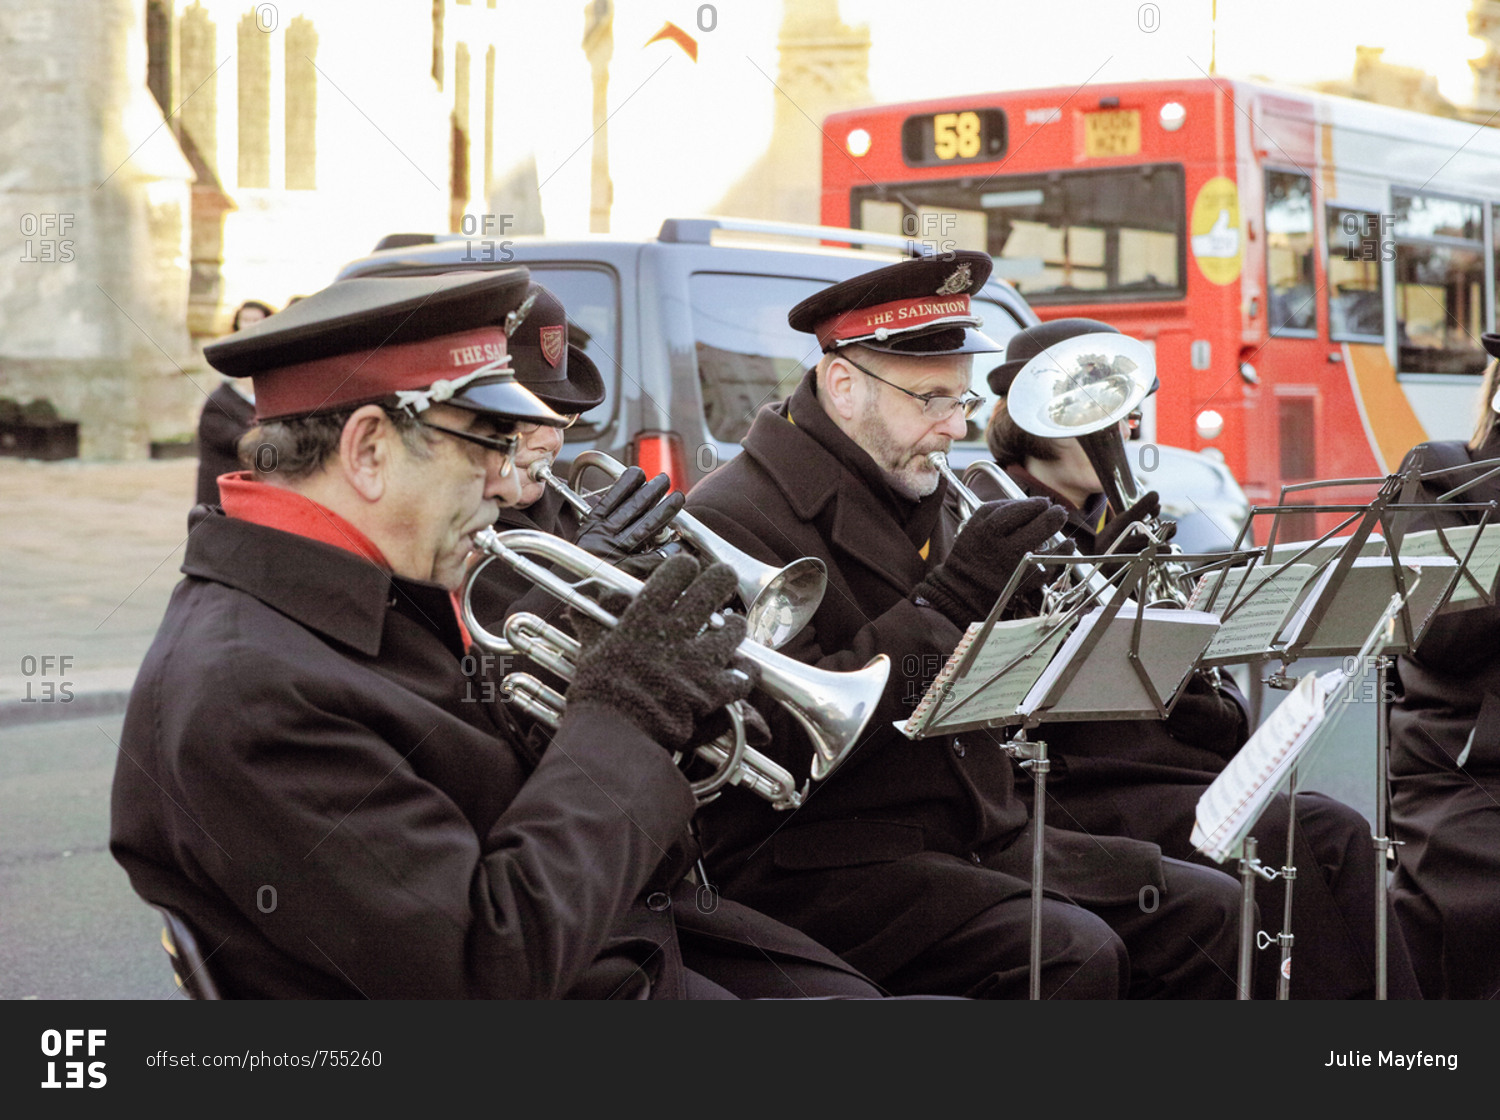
832 707
1081 385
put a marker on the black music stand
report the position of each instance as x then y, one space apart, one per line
1084 625
1331 619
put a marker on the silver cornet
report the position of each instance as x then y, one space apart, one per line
734 762
968 502
832 707
779 602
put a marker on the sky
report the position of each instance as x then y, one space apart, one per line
681 132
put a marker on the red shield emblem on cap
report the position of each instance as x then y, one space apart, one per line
553 340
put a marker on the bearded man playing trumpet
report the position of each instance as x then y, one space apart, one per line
317 774
1143 778
913 859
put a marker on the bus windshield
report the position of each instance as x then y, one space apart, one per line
1115 233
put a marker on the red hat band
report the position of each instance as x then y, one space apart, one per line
885 319
328 384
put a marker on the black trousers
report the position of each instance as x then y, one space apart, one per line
1333 904
1180 943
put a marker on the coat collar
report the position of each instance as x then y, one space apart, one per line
812 462
330 590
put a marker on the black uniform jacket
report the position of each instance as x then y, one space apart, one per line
498 590
1101 769
225 418
309 774
1447 707
881 859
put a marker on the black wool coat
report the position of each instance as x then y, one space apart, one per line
906 840
1140 778
225 418
319 779
1445 772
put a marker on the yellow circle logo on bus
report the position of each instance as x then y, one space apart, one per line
1215 228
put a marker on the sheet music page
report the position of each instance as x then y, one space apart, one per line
1005 645
1232 802
1484 565
1249 628
1000 674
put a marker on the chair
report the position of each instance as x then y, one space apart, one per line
189 967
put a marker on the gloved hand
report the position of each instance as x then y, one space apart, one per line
659 667
965 585
1207 717
629 515
1127 525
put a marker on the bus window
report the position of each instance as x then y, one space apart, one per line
1289 252
1440 310
1115 233
1356 246
1495 251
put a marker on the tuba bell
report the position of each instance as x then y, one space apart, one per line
1082 388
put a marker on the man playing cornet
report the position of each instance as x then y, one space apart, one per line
623 521
913 859
315 771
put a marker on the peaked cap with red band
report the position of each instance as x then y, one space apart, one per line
546 358
918 306
420 339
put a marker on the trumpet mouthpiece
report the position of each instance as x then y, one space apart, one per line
539 471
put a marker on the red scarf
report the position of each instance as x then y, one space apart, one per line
247 500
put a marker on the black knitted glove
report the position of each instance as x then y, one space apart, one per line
629 515
965 585
1128 522
660 667
1209 718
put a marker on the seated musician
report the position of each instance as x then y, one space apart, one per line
1143 778
913 860
623 521
315 775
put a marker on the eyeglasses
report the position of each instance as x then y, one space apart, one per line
526 427
506 445
935 406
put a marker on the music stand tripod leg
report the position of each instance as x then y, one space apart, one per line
1382 841
1247 918
1034 756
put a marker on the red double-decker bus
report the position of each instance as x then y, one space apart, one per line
1313 272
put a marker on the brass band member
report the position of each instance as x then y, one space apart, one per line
314 773
913 859
1143 778
1445 754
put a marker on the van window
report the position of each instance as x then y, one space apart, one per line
747 354
592 298
749 357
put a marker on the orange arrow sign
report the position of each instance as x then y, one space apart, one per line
670 30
